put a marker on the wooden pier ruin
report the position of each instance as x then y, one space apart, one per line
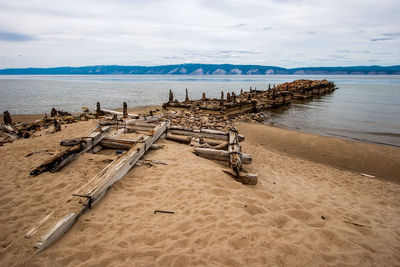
222 146
254 100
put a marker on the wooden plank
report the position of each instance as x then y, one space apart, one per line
138 127
147 119
179 138
244 178
56 232
200 134
115 145
118 168
216 154
118 113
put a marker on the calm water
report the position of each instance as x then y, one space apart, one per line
364 108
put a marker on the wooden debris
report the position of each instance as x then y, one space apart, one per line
163 211
235 157
125 110
7 118
56 232
216 154
57 126
95 189
65 157
244 178
118 113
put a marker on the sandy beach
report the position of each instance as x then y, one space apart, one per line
311 206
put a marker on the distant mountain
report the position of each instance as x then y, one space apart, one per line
203 69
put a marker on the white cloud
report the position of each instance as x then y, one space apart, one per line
288 33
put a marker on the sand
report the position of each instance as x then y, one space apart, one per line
301 212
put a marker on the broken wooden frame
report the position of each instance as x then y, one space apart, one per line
218 140
89 194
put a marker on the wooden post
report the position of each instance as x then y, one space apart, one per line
57 126
203 97
251 90
234 97
98 109
187 96
53 112
269 86
222 95
235 160
7 118
241 91
228 97
125 110
171 96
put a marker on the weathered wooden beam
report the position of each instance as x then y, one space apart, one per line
118 113
202 133
132 128
95 189
216 154
179 138
63 158
115 145
56 232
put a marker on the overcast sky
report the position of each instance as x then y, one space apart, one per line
286 33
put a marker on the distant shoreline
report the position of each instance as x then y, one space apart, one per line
203 69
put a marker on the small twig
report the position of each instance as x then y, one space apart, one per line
357 224
163 211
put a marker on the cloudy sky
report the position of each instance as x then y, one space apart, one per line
286 33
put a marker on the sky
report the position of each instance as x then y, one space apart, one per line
285 33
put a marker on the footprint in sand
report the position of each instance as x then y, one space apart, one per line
300 215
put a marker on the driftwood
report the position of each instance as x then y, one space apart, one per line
216 154
65 157
118 113
95 189
179 138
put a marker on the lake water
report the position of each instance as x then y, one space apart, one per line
364 108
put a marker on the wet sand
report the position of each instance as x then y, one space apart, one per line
304 211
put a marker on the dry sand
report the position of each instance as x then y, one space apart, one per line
217 220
